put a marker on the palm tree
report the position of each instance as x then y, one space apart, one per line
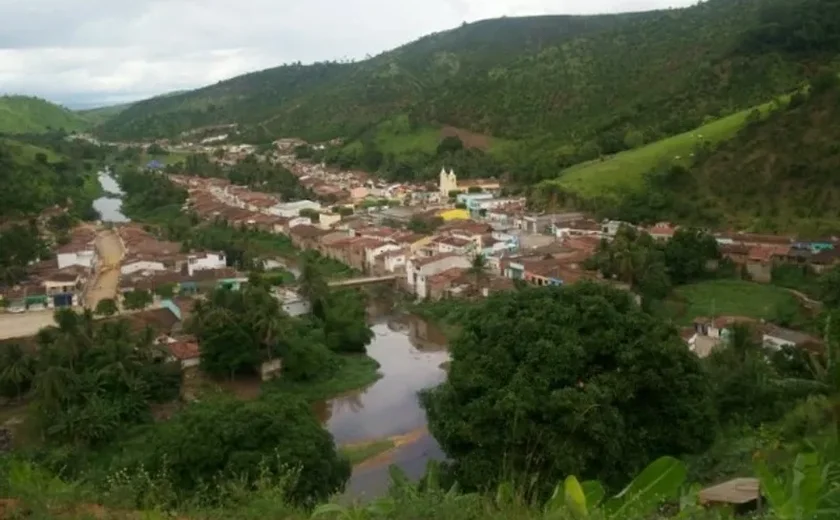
17 368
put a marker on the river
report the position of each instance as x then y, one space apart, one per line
410 353
108 206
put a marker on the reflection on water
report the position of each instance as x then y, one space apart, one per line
389 406
109 208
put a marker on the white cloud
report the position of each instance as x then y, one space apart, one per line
101 51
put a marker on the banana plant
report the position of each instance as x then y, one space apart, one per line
660 481
810 492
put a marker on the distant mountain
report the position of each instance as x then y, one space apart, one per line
23 114
573 78
97 116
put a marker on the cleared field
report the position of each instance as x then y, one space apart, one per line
625 171
726 298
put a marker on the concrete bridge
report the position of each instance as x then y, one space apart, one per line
367 280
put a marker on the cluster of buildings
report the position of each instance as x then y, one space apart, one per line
163 268
57 282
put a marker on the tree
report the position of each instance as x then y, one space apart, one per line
478 270
450 144
313 286
106 307
17 368
566 380
311 214
137 299
94 378
829 287
166 290
275 435
344 321
689 254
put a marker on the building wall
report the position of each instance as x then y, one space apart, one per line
760 272
776 343
211 261
143 265
433 268
189 363
82 258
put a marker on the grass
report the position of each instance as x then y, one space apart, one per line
361 452
27 152
356 371
625 171
23 114
725 298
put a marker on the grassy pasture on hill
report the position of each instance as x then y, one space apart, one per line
726 298
625 171
27 152
22 114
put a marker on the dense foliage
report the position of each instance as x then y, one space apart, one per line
35 178
572 380
587 75
93 379
257 174
651 266
147 193
239 330
223 439
20 245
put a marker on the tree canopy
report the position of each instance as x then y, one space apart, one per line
225 439
576 379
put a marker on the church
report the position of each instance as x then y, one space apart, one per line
449 183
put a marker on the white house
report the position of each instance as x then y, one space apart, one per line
139 266
418 270
83 257
455 244
205 261
395 260
292 209
299 221
372 252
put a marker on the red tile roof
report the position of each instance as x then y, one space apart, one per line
185 349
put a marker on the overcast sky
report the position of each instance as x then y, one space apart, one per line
95 52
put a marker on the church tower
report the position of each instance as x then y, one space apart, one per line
448 182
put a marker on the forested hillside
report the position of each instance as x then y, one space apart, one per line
38 172
23 114
596 81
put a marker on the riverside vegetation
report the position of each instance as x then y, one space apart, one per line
587 397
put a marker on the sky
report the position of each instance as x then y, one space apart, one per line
87 53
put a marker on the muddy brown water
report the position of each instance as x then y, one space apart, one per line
410 352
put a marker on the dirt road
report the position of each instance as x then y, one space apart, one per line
24 324
110 252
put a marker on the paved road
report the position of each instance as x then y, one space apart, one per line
24 324
110 251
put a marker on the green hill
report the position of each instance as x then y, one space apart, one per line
771 168
25 115
586 80
97 116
